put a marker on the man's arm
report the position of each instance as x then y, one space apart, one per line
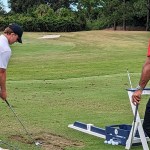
3 94
145 77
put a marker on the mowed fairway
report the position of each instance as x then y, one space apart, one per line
80 76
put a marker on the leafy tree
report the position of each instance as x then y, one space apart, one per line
89 7
127 12
98 13
57 4
44 10
64 12
118 12
142 11
22 6
111 11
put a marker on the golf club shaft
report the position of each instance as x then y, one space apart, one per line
129 79
18 119
135 116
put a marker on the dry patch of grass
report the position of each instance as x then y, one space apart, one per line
49 141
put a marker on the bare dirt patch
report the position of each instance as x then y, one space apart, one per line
49 141
49 36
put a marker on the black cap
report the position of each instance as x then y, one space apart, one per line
17 30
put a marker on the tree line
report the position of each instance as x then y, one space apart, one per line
76 15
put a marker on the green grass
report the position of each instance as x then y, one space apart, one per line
80 76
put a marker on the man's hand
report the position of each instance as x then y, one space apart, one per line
136 97
3 95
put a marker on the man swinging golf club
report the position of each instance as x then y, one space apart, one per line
12 34
145 77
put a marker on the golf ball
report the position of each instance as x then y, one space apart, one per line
37 143
106 142
113 143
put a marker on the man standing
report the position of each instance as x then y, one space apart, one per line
12 34
145 77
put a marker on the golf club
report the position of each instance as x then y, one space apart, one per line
36 142
129 79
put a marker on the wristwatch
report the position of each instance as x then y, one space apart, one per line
139 88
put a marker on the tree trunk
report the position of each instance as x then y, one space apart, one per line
124 18
115 25
148 15
124 24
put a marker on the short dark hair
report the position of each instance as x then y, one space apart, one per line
8 30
